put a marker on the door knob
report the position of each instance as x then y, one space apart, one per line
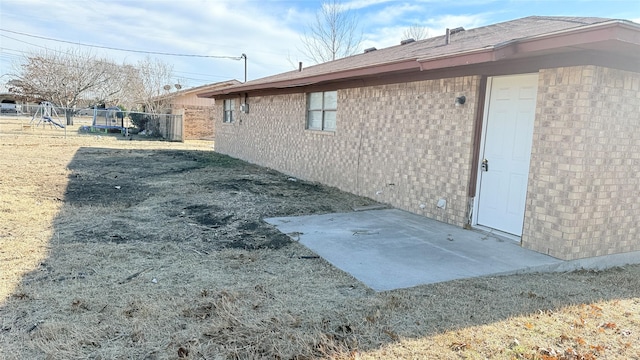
485 165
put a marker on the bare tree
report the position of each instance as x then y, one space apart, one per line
334 34
415 32
64 78
149 85
114 90
69 78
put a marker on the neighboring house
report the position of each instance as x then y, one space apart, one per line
527 128
197 113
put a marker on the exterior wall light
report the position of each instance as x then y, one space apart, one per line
460 100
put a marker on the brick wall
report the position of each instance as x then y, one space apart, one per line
407 145
584 186
199 122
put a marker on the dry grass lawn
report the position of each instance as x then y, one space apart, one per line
133 249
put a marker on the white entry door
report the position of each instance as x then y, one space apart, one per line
506 152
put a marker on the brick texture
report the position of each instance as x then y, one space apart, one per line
406 145
584 185
199 122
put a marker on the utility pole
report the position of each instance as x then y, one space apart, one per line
244 56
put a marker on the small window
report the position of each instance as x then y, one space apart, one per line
229 109
321 110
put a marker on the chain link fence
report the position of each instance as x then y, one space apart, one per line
163 126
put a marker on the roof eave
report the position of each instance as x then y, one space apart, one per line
592 37
368 71
583 38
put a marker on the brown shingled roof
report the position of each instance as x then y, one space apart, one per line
535 35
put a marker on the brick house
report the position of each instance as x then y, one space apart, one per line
197 113
528 128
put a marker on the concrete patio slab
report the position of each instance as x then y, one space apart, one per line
391 249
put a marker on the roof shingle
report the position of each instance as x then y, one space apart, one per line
410 54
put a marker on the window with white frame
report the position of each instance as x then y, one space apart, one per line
229 110
321 110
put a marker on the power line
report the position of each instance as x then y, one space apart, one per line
126 50
24 42
5 55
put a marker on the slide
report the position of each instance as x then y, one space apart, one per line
50 120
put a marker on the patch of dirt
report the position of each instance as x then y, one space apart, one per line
213 201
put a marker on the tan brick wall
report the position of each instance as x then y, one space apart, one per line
584 186
199 122
403 144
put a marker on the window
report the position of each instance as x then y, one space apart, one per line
321 110
229 109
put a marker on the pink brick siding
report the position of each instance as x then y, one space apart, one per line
584 186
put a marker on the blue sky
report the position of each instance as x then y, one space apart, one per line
267 31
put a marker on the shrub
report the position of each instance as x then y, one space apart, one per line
140 120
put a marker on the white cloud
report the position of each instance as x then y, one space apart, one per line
361 4
453 21
269 32
396 13
266 34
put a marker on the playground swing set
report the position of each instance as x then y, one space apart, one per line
110 119
45 114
